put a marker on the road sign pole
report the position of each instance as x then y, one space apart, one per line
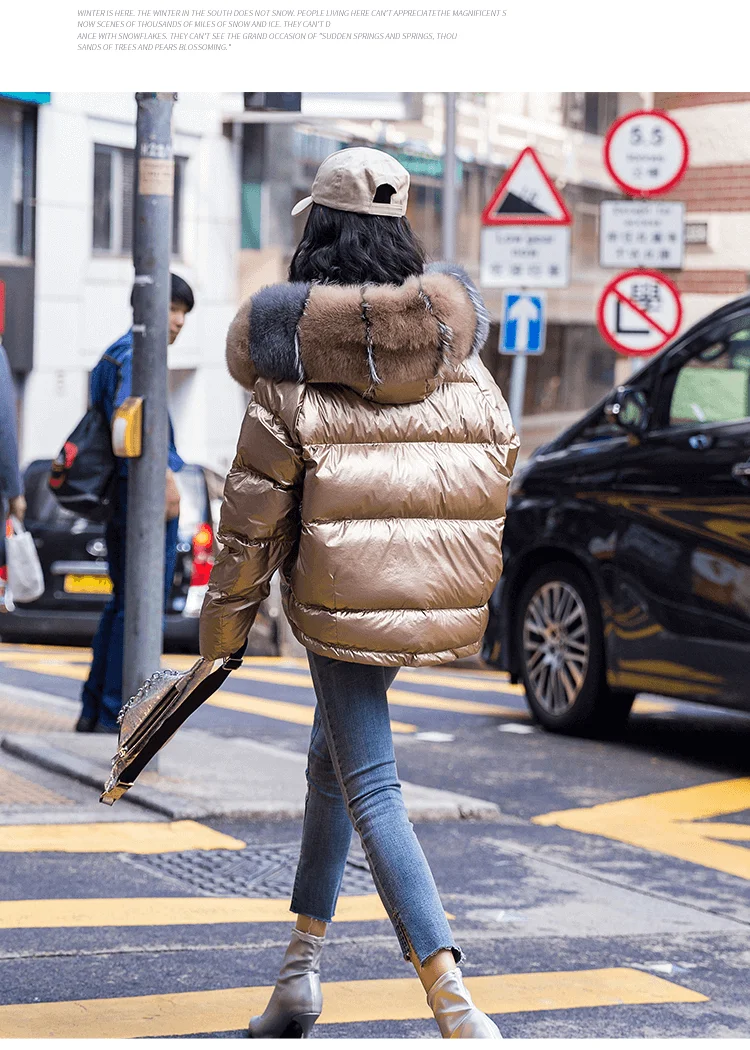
450 203
152 240
518 386
517 389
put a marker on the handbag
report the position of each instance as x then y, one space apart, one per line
151 718
25 576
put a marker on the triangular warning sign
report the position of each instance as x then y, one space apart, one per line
525 194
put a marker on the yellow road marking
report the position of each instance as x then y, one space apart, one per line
43 665
493 681
63 650
397 697
739 832
117 837
281 710
55 668
473 678
398 999
403 698
298 713
304 681
170 911
668 823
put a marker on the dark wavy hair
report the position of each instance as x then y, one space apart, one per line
344 247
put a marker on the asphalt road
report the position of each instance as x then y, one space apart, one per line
610 899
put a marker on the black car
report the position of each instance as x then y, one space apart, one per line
73 555
627 542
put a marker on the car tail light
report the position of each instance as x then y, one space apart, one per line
203 557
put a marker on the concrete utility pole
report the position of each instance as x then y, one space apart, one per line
152 242
450 189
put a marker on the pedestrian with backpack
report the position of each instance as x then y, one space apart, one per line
101 697
372 469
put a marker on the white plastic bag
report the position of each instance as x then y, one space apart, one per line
25 576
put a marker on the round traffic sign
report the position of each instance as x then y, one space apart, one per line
639 312
646 152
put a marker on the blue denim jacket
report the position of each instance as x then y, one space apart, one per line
10 477
110 385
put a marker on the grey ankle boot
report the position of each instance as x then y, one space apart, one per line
297 999
455 1013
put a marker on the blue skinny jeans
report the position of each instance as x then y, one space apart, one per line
353 786
101 697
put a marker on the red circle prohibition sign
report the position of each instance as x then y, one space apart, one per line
612 289
635 190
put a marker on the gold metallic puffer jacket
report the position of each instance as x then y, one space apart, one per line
372 468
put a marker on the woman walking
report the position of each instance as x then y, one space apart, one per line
372 469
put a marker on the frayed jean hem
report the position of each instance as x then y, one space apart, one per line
457 953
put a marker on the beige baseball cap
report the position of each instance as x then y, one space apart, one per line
348 181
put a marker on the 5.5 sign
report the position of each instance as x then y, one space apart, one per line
646 152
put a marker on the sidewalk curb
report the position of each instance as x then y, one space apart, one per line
85 772
161 802
432 808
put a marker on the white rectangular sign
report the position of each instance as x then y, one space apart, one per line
525 256
642 233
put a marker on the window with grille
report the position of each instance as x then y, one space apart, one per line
590 111
114 201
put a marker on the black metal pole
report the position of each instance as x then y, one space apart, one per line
144 559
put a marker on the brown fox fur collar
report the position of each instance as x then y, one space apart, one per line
377 339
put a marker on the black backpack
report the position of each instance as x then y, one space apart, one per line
83 477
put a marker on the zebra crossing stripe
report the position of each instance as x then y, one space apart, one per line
346 1002
169 911
114 837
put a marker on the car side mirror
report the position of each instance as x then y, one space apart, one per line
628 409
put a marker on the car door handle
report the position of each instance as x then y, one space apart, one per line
741 472
700 441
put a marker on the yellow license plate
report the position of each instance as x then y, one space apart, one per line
75 584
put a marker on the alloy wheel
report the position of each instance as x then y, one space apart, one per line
556 643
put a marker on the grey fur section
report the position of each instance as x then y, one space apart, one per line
446 332
274 316
368 340
482 327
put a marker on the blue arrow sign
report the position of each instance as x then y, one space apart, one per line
523 324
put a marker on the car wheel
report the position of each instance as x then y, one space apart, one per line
560 645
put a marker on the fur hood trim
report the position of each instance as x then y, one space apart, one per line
377 339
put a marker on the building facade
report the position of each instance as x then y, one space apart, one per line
18 124
83 267
66 165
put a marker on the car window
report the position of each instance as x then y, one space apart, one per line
714 385
599 428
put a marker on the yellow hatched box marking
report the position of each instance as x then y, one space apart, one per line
671 823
